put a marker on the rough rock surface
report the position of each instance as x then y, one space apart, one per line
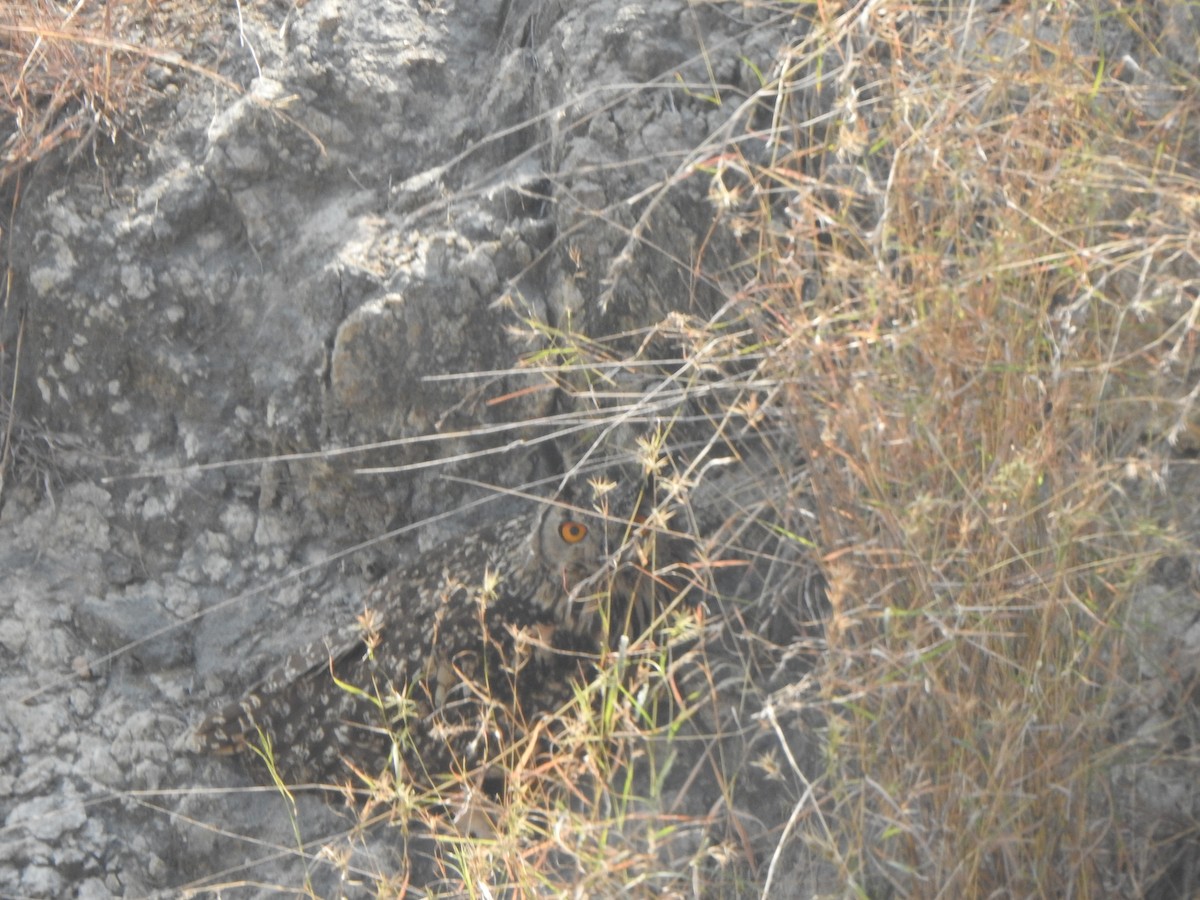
399 188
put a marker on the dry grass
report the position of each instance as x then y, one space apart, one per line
979 275
75 74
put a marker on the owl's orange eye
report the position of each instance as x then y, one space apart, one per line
572 532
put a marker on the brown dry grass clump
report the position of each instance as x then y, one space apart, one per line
72 74
977 266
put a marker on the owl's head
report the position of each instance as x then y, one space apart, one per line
598 586
569 546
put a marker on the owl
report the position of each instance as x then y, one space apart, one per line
456 665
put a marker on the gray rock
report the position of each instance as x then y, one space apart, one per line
133 622
48 818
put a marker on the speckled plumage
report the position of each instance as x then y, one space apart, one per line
456 657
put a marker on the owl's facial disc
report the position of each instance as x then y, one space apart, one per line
569 546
